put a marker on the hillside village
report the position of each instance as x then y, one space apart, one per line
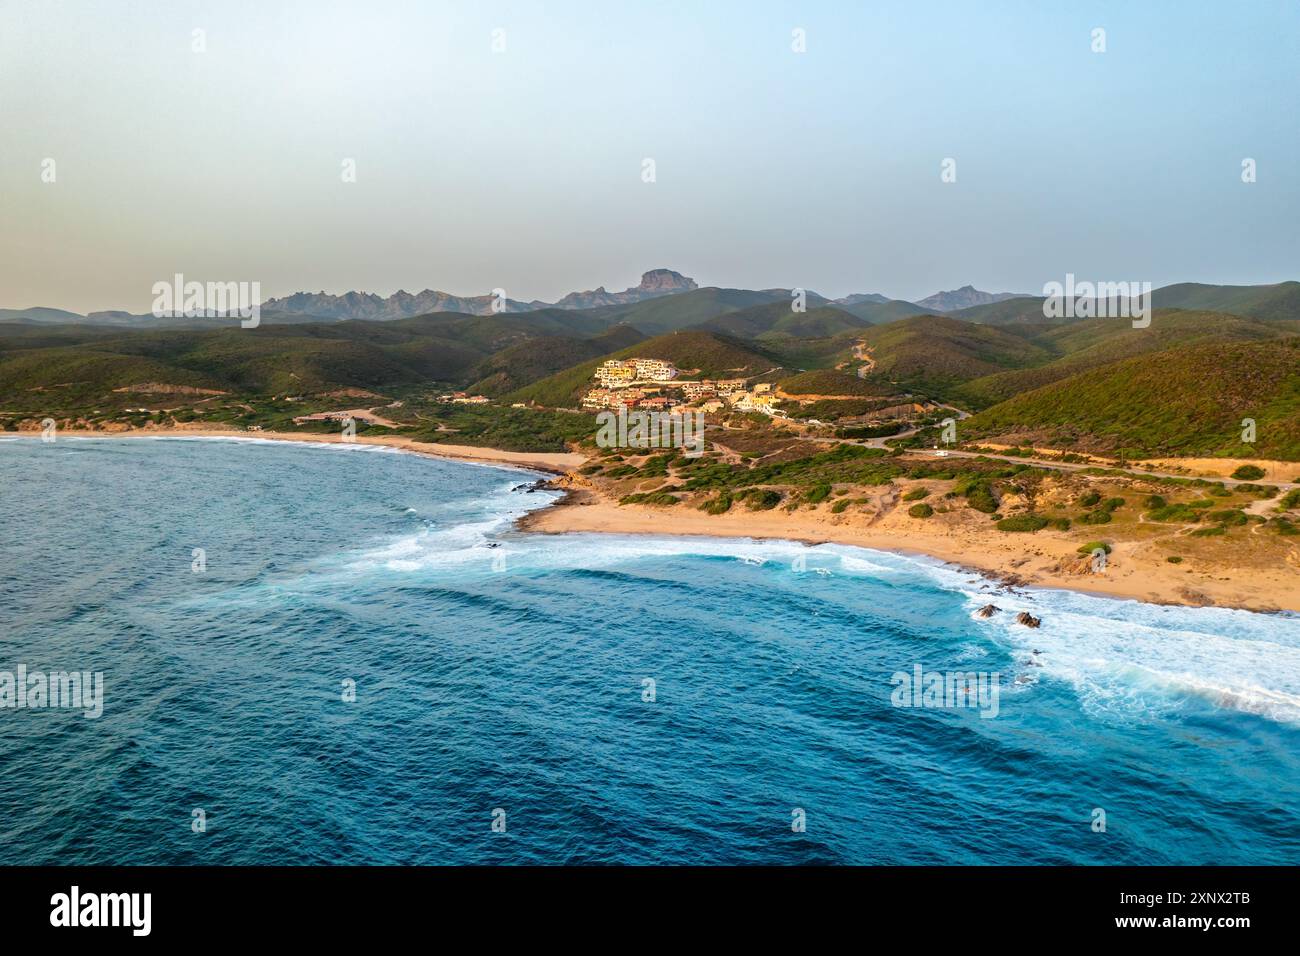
655 385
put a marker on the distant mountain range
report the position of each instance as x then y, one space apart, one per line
657 283
964 298
665 300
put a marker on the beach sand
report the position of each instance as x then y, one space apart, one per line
1043 559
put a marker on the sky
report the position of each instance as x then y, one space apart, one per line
504 145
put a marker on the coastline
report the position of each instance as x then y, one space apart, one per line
1039 560
553 463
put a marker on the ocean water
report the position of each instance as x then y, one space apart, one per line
503 677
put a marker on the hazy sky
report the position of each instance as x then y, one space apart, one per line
523 169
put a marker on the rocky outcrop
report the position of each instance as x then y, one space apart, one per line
988 610
1028 620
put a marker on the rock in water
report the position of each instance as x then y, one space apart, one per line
1028 620
988 610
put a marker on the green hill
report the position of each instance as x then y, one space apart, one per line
831 383
934 354
1091 343
1023 311
1186 401
671 312
519 365
776 320
74 368
1267 302
878 313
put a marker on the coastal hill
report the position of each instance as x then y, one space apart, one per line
1180 402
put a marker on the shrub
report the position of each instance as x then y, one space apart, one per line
916 494
1154 501
817 494
1248 473
650 498
980 497
758 499
718 505
1228 517
1284 526
1026 522
1174 513
621 471
1290 500
1213 532
1061 524
839 506
1090 499
1174 559
1092 546
1110 504
920 511
1095 517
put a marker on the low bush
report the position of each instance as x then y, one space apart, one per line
1026 522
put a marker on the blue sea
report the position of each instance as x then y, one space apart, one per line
370 665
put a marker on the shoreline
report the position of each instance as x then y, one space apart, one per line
1013 561
552 463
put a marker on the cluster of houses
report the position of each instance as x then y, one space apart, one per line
654 384
462 398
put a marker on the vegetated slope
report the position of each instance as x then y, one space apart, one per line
87 361
1094 342
1268 302
829 382
878 313
519 365
1185 401
777 320
672 312
1027 310
933 354
695 352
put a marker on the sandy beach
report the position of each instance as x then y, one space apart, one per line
1044 559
